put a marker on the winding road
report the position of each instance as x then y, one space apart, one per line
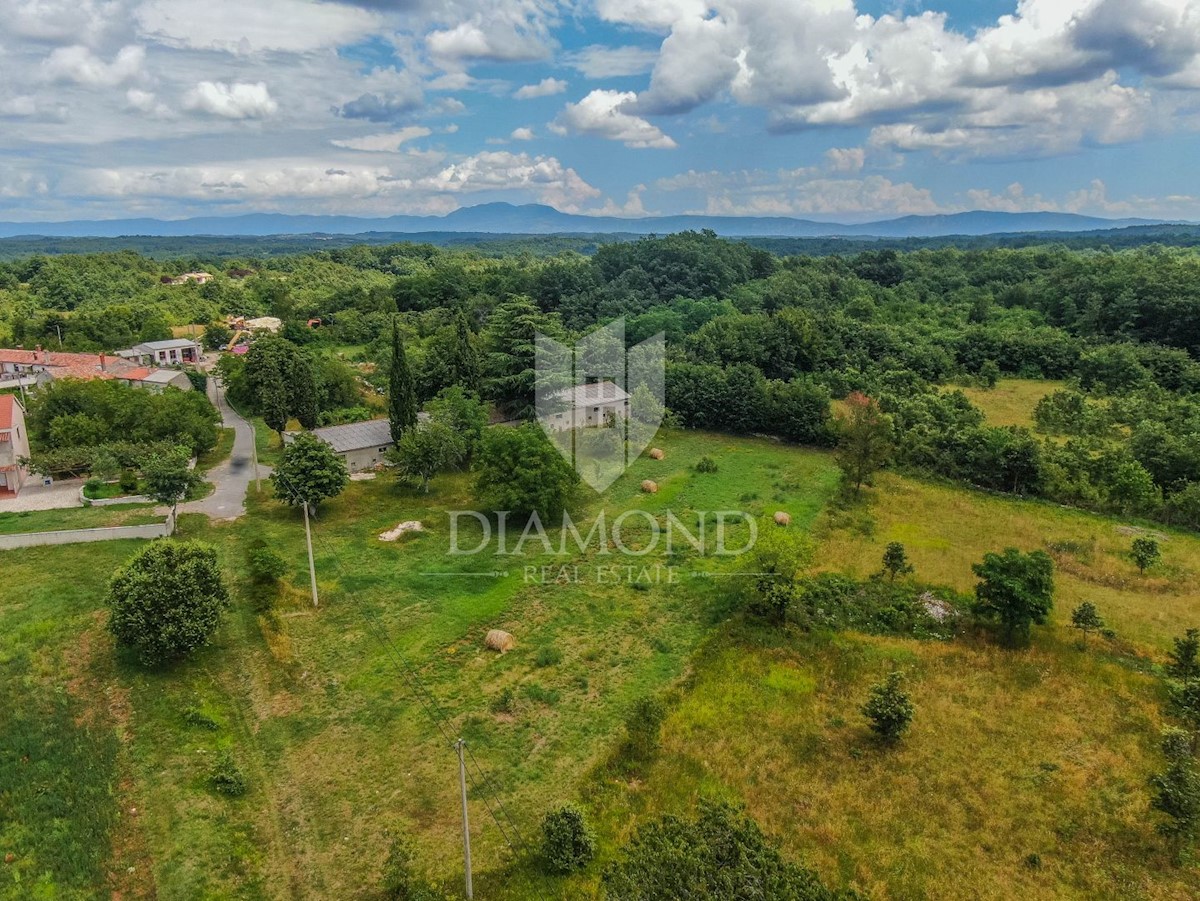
235 476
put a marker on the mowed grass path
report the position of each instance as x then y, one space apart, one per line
317 707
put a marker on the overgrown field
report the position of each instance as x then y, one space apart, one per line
1025 774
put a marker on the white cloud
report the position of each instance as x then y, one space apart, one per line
850 159
232 101
597 61
659 14
389 142
490 38
547 87
601 113
413 182
295 26
78 65
522 134
820 63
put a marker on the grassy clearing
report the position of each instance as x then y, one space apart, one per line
63 772
77 518
1024 774
337 750
1012 401
946 529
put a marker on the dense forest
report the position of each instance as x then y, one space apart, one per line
757 342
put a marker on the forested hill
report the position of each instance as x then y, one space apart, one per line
498 245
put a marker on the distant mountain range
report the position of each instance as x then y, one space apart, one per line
534 219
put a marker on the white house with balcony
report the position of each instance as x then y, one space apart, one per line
176 352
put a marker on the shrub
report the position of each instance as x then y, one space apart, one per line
1145 553
167 600
720 856
129 481
889 709
547 655
266 566
567 841
707 464
1015 589
195 716
895 561
1087 619
644 726
503 702
227 777
1183 661
401 880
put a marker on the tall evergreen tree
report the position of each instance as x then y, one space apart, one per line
464 362
303 384
510 353
402 398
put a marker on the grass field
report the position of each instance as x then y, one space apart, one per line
1012 401
1024 775
77 518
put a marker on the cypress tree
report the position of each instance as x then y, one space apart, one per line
464 362
402 397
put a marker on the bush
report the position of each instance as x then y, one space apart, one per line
503 702
644 727
547 655
167 600
707 464
227 777
195 716
889 709
567 841
401 881
1146 553
266 567
129 481
721 856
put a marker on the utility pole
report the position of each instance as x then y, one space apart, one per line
312 567
460 746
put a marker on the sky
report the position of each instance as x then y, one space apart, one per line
846 110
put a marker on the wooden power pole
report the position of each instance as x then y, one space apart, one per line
460 746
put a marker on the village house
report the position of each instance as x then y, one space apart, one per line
29 368
584 406
175 352
157 379
361 445
14 444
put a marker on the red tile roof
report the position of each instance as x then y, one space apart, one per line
7 403
69 365
136 375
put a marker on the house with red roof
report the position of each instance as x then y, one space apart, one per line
14 444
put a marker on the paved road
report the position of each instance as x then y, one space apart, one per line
236 475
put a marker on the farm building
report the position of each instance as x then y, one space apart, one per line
586 406
361 445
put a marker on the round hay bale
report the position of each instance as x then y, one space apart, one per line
782 519
499 640
650 487
656 453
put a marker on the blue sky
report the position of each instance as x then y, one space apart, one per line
825 109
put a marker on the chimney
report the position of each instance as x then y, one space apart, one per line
103 367
37 355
